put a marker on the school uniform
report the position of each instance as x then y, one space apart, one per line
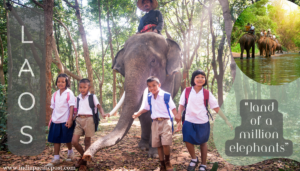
196 127
58 132
84 121
161 126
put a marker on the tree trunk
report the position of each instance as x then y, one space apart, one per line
103 54
86 53
48 13
2 78
112 59
228 29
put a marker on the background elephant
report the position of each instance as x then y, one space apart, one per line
279 48
268 46
274 46
259 42
143 55
247 41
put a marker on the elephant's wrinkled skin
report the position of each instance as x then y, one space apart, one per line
143 55
247 41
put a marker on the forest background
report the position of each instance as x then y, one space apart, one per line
88 34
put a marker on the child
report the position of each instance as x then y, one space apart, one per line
61 123
84 121
196 128
162 126
152 21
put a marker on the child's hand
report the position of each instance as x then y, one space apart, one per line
178 118
229 124
104 115
135 115
69 123
178 127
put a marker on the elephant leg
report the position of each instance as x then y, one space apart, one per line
146 122
253 50
153 153
248 52
242 50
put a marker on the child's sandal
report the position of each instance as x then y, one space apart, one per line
201 167
192 168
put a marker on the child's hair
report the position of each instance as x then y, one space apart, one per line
67 79
144 0
152 78
195 73
85 80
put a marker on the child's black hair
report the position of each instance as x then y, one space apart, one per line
144 0
195 73
68 84
85 80
152 78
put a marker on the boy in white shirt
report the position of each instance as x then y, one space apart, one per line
85 122
162 127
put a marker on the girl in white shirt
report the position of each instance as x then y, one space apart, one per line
61 123
196 127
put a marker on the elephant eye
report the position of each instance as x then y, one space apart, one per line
153 60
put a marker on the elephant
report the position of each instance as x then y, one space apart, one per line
143 55
259 42
268 45
279 48
274 46
247 41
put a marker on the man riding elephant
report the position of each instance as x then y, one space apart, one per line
152 21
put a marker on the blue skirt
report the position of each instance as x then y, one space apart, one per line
195 133
59 133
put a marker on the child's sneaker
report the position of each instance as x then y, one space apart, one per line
53 162
71 157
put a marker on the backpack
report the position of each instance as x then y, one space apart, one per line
92 106
206 99
166 99
54 95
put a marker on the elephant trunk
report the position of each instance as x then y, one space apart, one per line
131 104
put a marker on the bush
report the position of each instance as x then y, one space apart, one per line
3 119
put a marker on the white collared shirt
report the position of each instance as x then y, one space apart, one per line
84 106
159 108
196 111
61 107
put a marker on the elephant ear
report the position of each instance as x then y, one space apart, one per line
173 57
118 63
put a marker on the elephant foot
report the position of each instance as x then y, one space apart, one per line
144 145
153 153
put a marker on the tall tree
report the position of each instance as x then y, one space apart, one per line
112 55
86 53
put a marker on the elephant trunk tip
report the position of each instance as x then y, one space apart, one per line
87 156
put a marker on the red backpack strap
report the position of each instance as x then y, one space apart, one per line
206 97
54 95
68 96
187 93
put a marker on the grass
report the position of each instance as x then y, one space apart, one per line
236 48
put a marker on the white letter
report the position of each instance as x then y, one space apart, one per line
258 119
33 101
26 135
26 70
269 121
253 120
23 37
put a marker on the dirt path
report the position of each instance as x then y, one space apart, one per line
127 156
